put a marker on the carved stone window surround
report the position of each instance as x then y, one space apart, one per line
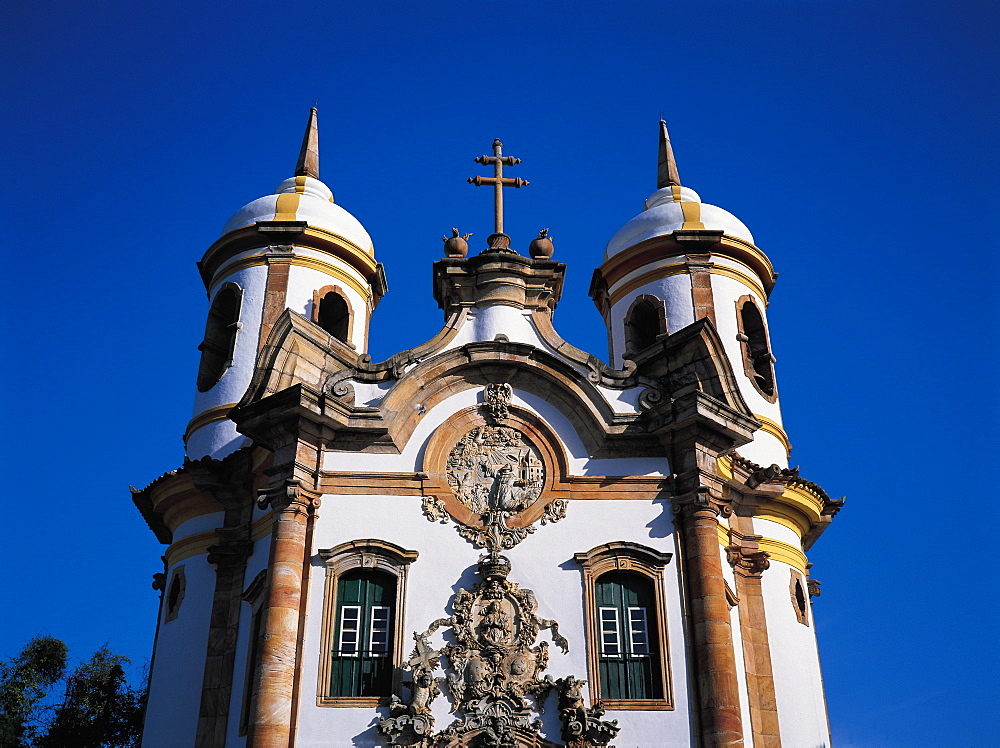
637 559
361 554
632 345
743 337
798 592
317 300
174 594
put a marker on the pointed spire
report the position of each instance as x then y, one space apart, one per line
666 171
308 165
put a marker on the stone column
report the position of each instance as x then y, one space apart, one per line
748 564
270 724
715 660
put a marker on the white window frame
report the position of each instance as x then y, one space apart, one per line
604 632
356 630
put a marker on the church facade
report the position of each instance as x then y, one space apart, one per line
493 538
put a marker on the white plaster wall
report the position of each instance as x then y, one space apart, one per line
411 458
765 449
773 530
221 438
485 323
179 661
674 290
204 523
543 563
303 281
798 683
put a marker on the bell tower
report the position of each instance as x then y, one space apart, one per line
295 249
682 260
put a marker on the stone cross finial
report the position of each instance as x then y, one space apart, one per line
498 241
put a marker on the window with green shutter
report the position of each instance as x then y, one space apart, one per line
362 651
628 661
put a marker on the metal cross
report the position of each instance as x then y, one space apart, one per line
498 180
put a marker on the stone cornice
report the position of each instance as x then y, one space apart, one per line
680 243
497 278
299 233
784 496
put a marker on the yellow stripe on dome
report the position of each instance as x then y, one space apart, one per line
675 191
287 205
300 184
692 216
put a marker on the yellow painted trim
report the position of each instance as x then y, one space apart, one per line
286 206
309 262
675 191
743 278
300 184
724 466
193 545
723 535
206 417
801 498
782 515
785 553
774 429
692 216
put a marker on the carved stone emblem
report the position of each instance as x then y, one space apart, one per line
495 468
496 472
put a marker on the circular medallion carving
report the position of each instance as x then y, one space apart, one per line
495 469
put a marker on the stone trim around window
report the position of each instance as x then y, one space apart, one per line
637 559
174 594
798 591
221 329
361 554
317 300
632 342
743 336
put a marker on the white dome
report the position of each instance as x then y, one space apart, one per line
303 199
664 215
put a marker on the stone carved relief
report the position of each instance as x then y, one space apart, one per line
495 468
493 665
497 473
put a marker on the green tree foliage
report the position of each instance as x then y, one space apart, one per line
99 709
24 683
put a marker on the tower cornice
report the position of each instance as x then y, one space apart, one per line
680 243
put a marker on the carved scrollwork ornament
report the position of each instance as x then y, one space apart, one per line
554 511
435 510
492 666
649 398
496 403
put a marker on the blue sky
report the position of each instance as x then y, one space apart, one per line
854 139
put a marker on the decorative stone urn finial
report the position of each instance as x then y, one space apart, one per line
541 247
455 245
